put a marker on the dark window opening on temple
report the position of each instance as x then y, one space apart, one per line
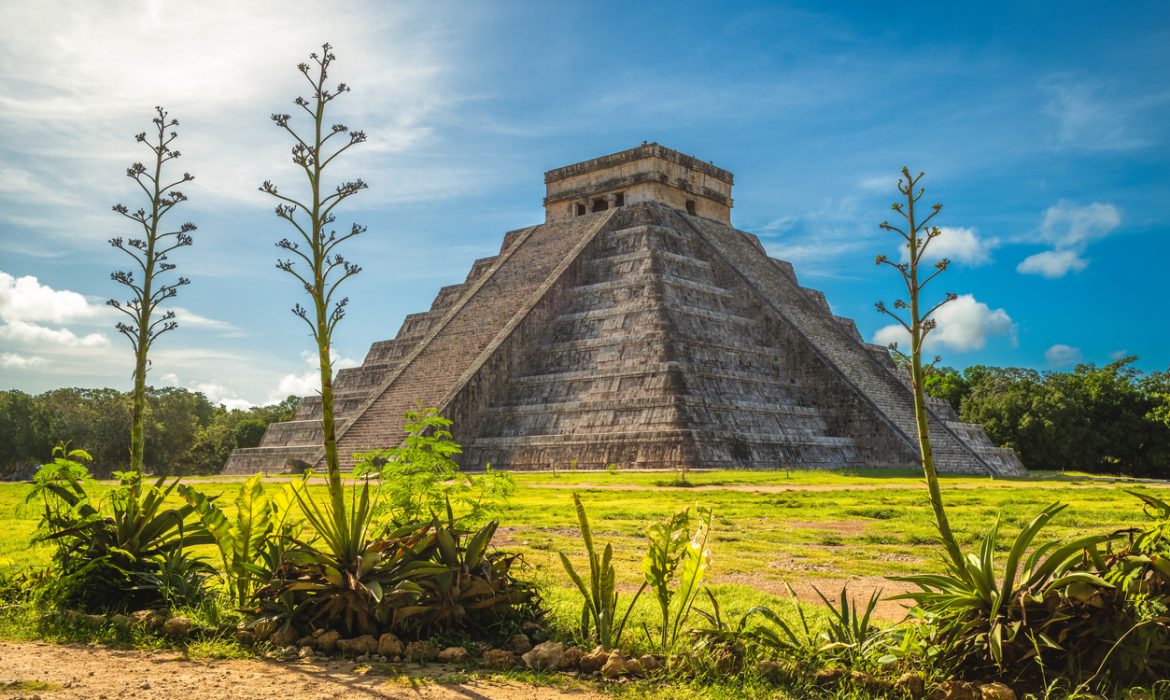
621 200
691 207
600 205
580 210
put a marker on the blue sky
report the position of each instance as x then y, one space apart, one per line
1043 129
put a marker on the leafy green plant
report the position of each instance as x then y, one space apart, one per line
1143 565
339 569
600 604
419 478
671 546
250 542
849 636
178 580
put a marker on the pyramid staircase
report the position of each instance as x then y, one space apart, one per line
641 336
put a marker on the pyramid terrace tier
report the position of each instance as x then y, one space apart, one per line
639 336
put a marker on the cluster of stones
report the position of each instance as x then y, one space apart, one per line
638 331
517 652
520 652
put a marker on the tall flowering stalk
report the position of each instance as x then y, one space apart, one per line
316 243
151 255
917 319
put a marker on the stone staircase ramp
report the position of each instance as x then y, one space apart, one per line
454 344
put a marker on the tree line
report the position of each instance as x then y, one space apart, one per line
188 433
1109 419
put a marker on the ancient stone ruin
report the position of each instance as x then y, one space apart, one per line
634 327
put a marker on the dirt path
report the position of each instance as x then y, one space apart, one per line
781 488
80 672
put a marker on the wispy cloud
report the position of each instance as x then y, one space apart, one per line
1089 118
62 87
1060 355
958 244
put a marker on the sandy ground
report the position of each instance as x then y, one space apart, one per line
98 673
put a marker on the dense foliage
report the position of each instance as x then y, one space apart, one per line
188 433
1110 419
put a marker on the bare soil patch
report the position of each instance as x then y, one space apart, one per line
80 672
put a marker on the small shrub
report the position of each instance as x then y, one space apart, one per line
421 477
1059 608
252 542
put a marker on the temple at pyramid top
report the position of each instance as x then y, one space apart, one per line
646 173
634 327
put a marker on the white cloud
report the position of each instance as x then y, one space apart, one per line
189 319
1060 355
879 183
26 299
958 244
11 360
822 240
1118 354
963 325
1067 225
1052 263
307 383
1069 228
26 333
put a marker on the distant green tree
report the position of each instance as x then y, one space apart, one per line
1045 426
151 256
94 420
249 431
1104 419
24 430
947 383
916 316
316 244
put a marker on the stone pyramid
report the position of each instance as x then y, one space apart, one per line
634 327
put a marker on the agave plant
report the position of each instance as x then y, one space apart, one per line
600 604
463 585
1004 617
102 547
849 636
337 577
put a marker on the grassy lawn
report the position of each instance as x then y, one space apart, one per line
820 529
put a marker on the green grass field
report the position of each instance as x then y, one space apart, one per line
806 529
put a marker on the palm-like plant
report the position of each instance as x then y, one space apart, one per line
248 540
